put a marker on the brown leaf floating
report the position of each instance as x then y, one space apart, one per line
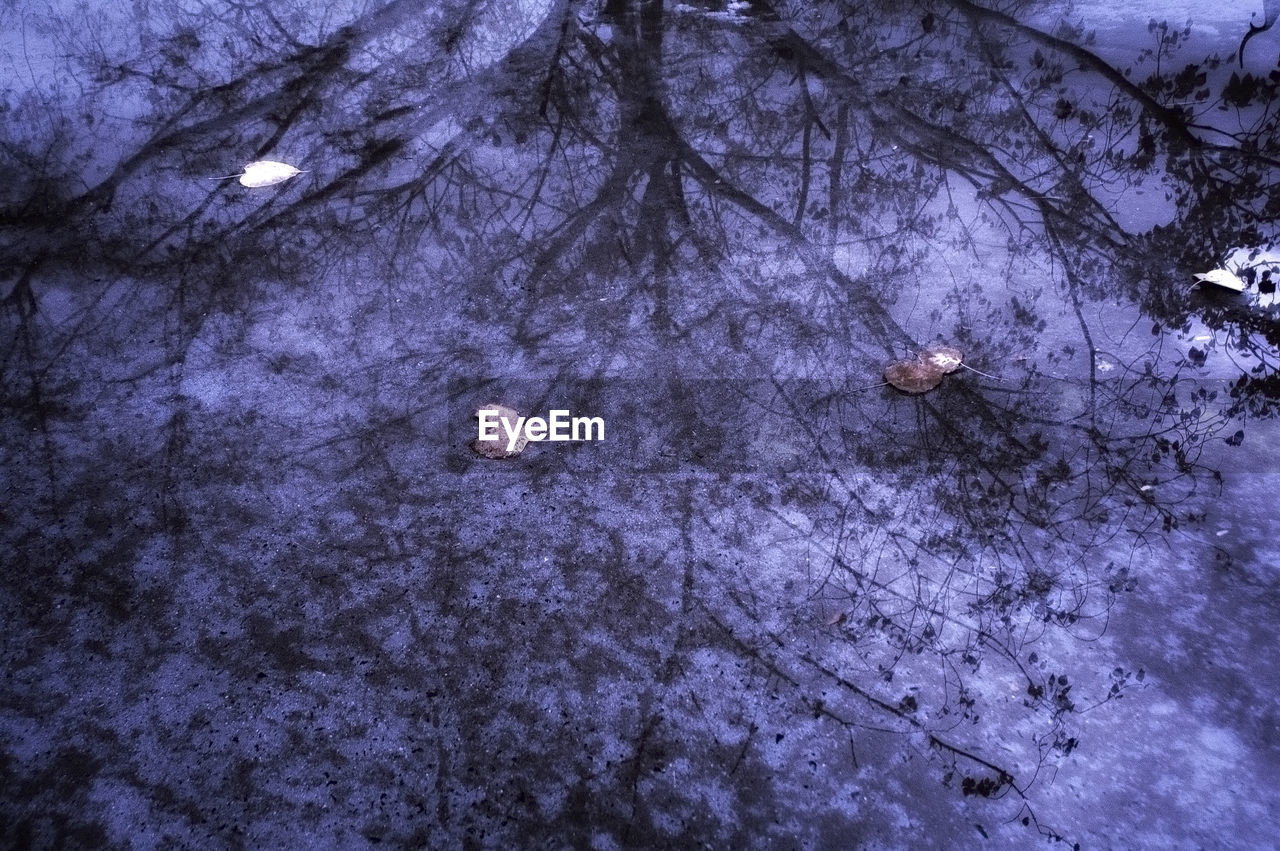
913 376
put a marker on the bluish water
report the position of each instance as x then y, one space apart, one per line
933 495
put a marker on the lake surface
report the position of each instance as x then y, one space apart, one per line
875 471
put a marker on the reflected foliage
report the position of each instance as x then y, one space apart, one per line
208 387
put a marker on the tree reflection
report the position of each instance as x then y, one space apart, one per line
783 199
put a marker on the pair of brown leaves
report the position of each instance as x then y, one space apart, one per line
924 372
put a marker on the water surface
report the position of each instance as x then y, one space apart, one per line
260 590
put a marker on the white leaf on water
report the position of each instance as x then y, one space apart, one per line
266 173
947 359
1221 278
